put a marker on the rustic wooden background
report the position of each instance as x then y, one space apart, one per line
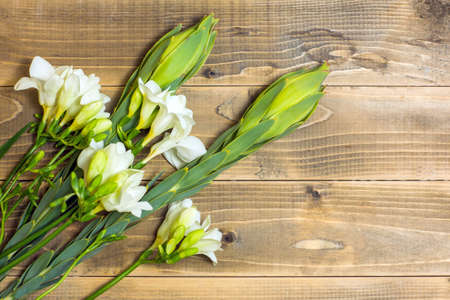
356 205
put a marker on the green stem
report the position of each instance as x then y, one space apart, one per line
37 234
11 210
2 230
114 281
37 247
142 259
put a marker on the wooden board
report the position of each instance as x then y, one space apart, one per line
287 288
367 42
287 228
357 133
361 190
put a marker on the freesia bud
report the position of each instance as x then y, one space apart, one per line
35 159
191 239
289 101
180 213
97 165
197 240
96 127
120 188
86 114
135 103
185 54
180 255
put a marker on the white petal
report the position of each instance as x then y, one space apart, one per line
213 234
172 157
144 205
153 86
186 150
205 245
27 83
191 228
165 144
206 223
211 256
86 155
90 96
41 69
51 88
118 159
96 145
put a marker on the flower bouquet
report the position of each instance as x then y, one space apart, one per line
94 177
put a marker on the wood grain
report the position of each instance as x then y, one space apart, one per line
353 288
367 42
284 228
376 133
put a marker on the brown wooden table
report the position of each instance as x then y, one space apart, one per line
356 205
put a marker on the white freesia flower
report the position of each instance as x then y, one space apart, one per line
179 213
126 198
172 114
210 243
62 89
182 213
117 169
46 79
185 151
152 97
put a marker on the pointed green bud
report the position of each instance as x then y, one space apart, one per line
180 255
135 103
88 112
177 236
95 183
96 127
289 101
192 238
183 54
105 189
97 165
35 159
297 88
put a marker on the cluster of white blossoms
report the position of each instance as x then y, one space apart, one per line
196 240
177 146
113 163
68 95
65 93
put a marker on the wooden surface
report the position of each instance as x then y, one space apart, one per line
355 205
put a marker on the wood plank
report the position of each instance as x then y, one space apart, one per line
353 288
356 133
305 229
367 42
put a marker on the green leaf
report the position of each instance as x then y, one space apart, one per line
7 145
72 250
218 143
246 140
20 234
117 228
28 287
57 270
159 201
39 265
202 169
165 185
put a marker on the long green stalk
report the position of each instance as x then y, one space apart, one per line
37 247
